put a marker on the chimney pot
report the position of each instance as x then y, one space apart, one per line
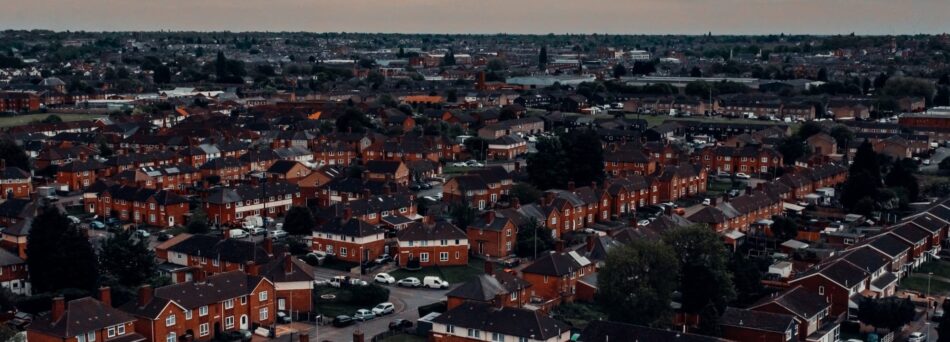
288 263
591 239
559 246
145 295
268 246
105 296
347 214
570 186
489 268
252 269
59 308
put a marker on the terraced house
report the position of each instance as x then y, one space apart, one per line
232 204
151 207
432 243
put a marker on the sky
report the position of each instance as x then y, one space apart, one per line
486 16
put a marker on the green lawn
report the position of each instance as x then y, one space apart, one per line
578 314
938 267
337 306
917 282
453 275
19 120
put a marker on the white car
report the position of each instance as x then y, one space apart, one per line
142 233
409 282
384 309
643 223
741 175
434 282
460 164
363 315
256 231
707 201
916 337
276 234
384 278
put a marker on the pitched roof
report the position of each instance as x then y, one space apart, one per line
216 288
506 320
82 315
485 288
758 320
229 250
602 331
557 264
352 227
440 230
798 301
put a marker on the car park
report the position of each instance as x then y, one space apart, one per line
384 309
342 321
409 282
384 278
363 315
433 282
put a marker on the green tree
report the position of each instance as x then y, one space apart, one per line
543 58
637 282
52 119
128 260
14 155
890 313
299 221
477 147
59 255
533 240
462 215
784 228
526 193
823 75
901 177
843 136
703 260
620 70
943 331
449 58
864 178
577 156
353 120
747 275
198 223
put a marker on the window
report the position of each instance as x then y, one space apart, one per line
262 296
450 328
263 314
514 295
203 311
120 329
456 255
81 338
229 322
424 257
243 300
170 320
111 332
508 246
508 232
343 251
821 290
443 256
496 337
203 330
229 303
171 337
474 333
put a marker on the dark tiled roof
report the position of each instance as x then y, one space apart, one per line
229 250
509 321
352 228
215 289
383 166
889 245
440 230
485 288
603 331
799 301
867 259
81 316
13 172
554 264
758 320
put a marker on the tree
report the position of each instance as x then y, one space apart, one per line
533 240
784 228
52 119
14 155
637 282
864 178
695 72
843 136
619 70
543 58
299 221
449 58
375 79
808 129
353 120
792 148
128 260
477 147
527 193
704 273
890 313
59 256
576 156
747 275
162 75
198 223
943 331
909 86
823 75
901 177
462 215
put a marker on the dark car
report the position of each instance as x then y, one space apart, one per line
511 263
342 321
112 222
400 324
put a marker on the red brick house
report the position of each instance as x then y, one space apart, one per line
499 289
747 325
507 147
492 236
14 182
84 320
288 170
623 159
79 174
555 277
232 204
474 321
293 283
394 171
226 169
14 276
678 181
839 282
203 308
432 243
809 310
349 239
748 159
161 208
202 255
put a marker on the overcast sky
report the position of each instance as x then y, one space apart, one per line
486 16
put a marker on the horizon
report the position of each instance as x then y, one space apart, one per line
529 17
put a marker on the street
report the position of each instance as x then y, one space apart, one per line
939 155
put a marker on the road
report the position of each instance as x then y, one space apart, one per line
939 155
406 300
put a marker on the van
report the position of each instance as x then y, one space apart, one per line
237 233
433 282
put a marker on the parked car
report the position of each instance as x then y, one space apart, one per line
409 282
643 223
257 231
97 225
384 278
342 321
741 175
112 222
142 233
434 282
363 315
165 236
382 259
707 201
318 257
916 337
511 263
384 309
73 219
400 324
337 281
283 317
276 234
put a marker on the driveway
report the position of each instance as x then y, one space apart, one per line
406 300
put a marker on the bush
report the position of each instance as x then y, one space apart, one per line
440 307
369 295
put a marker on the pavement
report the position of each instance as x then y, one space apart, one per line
406 301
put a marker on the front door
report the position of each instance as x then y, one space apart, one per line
244 322
481 247
281 304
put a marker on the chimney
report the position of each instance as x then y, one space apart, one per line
428 219
593 185
304 337
725 198
252 269
559 246
145 295
347 214
367 194
489 268
489 216
358 336
668 210
516 203
288 263
199 277
59 308
570 186
268 246
748 190
105 296
548 198
591 239
226 232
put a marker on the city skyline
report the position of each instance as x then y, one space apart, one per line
521 17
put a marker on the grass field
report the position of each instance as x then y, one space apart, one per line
453 275
19 120
337 306
918 282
